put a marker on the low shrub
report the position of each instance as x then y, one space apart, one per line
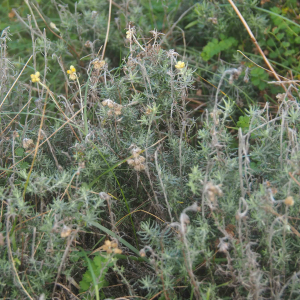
124 185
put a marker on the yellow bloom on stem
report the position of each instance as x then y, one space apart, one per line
180 65
128 35
72 72
35 77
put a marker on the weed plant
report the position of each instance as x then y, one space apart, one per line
116 183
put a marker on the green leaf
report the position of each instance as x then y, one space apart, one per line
96 267
273 54
92 273
214 47
19 151
87 277
243 122
280 35
285 44
24 165
271 43
191 24
297 40
289 52
282 25
101 262
275 10
84 286
262 85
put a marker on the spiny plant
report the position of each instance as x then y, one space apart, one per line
182 204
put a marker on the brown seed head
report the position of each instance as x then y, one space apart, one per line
289 201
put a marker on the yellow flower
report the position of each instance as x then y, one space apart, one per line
35 77
129 33
72 70
180 65
72 73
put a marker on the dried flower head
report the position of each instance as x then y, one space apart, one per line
73 76
104 196
230 229
81 165
180 65
117 251
130 33
11 14
213 20
98 64
66 231
35 77
106 247
117 109
142 253
118 112
88 44
139 160
108 102
155 33
172 53
223 246
15 134
114 244
281 97
136 152
140 167
289 201
213 190
53 26
72 73
28 143
131 162
94 14
148 111
111 246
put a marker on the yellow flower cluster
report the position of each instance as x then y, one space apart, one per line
128 34
138 161
72 73
35 77
111 246
116 108
180 65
